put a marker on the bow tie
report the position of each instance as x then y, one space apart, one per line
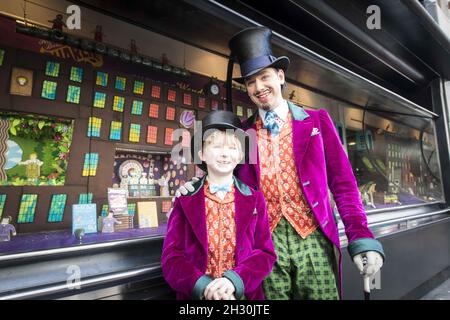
213 188
270 122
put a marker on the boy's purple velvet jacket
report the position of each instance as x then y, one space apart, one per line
185 250
321 163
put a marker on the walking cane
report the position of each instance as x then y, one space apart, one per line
366 282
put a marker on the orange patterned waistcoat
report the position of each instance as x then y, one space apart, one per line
221 230
280 182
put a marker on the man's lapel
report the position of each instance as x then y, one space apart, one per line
302 125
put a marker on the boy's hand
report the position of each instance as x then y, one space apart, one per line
220 289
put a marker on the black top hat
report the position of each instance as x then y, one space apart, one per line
221 120
251 48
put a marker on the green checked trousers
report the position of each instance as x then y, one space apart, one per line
304 268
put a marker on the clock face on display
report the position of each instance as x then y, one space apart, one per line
214 88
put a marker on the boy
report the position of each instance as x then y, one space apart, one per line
218 244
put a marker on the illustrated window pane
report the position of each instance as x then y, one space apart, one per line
170 113
131 209
239 111
27 208
2 203
76 74
52 69
85 198
135 132
121 83
214 104
201 102
94 127
153 110
90 164
187 99
138 87
102 79
99 100
57 208
156 92
186 139
105 210
152 134
2 56
171 95
166 206
116 130
118 103
73 94
137 107
49 90
249 112
168 136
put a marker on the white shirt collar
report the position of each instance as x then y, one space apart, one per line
282 111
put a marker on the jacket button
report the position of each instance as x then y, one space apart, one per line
306 183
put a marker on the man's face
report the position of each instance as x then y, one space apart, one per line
264 88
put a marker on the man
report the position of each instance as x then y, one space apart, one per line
297 157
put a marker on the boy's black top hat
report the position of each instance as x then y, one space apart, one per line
252 49
221 120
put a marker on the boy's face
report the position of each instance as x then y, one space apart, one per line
264 88
221 153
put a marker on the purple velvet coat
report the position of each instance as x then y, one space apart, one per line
185 251
321 163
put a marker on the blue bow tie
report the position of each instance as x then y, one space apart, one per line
213 188
270 122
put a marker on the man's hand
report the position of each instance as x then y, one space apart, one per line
374 262
220 289
183 190
187 187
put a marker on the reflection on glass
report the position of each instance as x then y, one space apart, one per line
394 164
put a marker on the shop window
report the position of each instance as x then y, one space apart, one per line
85 198
202 102
118 103
152 134
170 113
394 164
166 206
90 164
57 208
153 110
115 132
136 108
76 74
120 83
99 100
2 203
73 94
52 69
156 92
214 105
27 208
171 95
186 139
101 79
135 132
249 112
187 99
36 149
168 137
146 174
239 111
94 127
49 90
138 87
